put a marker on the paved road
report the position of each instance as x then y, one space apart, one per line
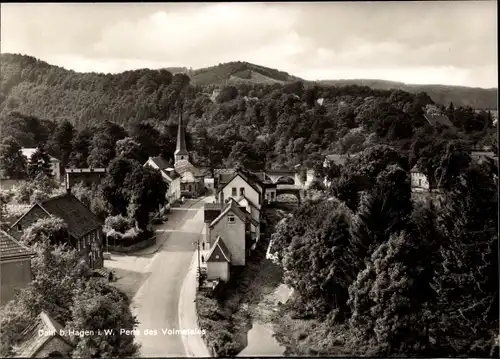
156 303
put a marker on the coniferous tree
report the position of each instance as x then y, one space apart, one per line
39 163
13 164
466 282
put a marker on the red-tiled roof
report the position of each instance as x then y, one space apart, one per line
11 248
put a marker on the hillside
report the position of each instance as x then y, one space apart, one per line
240 72
443 94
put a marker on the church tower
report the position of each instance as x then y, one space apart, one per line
181 152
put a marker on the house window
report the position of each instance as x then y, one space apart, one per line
189 188
233 191
419 182
182 157
230 219
272 196
19 227
242 191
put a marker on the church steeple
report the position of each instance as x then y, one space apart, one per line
181 152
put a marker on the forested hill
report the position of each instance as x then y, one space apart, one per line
255 124
443 94
240 72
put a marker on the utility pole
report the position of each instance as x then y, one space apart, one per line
198 248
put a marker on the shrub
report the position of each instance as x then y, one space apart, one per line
6 196
215 324
38 196
53 229
132 236
118 223
44 183
23 193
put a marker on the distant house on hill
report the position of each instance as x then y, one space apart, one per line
84 227
420 182
15 266
434 117
87 176
482 156
35 342
338 160
215 95
55 164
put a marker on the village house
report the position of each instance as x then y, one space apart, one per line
84 227
15 266
420 182
243 190
169 175
424 188
43 339
218 262
87 176
235 231
436 118
484 154
55 164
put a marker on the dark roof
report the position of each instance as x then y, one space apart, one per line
172 173
184 166
10 248
231 206
437 118
31 341
161 162
79 219
281 170
245 177
85 170
219 249
212 211
248 215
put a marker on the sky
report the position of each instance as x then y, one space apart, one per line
426 42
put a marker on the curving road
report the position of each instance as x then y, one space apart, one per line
156 304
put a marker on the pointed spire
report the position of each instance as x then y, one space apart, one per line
181 152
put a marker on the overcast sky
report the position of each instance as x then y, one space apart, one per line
414 42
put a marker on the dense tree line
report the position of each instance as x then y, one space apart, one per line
80 116
63 288
385 275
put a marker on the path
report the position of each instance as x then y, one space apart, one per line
156 303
